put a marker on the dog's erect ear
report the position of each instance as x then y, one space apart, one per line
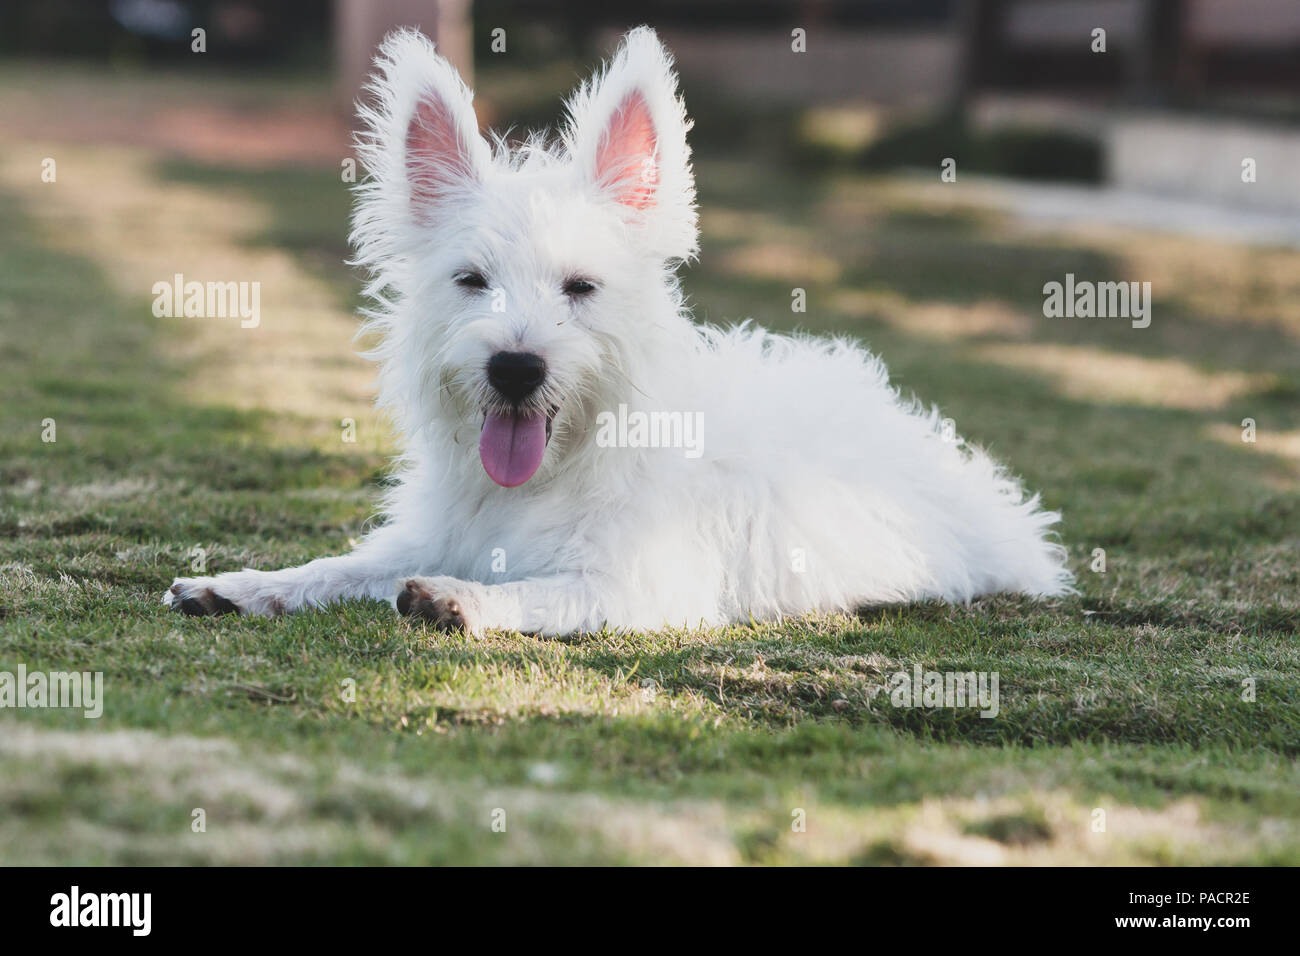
422 142
627 155
440 152
627 137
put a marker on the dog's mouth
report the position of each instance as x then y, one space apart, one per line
512 443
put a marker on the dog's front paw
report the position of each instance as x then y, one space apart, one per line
242 592
195 597
447 604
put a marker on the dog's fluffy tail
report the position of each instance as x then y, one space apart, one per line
1012 541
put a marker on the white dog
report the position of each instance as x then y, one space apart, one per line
537 358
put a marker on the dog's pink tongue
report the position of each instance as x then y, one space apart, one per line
511 447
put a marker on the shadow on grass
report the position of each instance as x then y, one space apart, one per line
308 210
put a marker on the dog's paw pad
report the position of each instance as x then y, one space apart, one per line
444 613
202 603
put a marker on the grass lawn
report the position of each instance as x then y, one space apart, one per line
1155 718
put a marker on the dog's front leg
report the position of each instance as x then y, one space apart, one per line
367 572
554 605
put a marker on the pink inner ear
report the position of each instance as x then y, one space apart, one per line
625 159
435 156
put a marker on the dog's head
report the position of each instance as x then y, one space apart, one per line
520 289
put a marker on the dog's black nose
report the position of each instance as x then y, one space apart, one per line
516 375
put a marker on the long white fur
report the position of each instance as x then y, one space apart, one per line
819 488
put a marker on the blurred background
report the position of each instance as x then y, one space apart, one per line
1021 87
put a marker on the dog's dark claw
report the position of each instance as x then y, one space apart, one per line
407 598
443 613
206 604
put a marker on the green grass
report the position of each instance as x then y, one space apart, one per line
349 736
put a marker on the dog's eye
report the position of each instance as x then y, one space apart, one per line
578 287
470 280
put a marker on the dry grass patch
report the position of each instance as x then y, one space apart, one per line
1101 376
